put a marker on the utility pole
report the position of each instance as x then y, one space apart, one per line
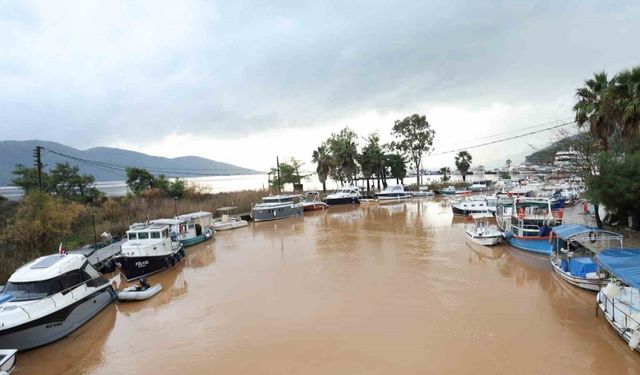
95 238
38 165
278 168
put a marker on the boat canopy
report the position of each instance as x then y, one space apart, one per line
566 231
624 264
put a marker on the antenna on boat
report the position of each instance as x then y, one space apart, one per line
278 169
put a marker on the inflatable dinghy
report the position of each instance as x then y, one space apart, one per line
138 293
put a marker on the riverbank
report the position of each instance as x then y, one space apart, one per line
36 225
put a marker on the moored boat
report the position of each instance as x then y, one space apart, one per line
346 195
197 228
311 201
51 297
619 300
277 207
475 204
574 247
393 193
149 248
532 220
478 186
227 221
482 233
7 359
101 255
139 292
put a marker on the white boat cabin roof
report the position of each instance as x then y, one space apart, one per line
195 215
154 225
47 267
168 222
280 198
226 209
394 188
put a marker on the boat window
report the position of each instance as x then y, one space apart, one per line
91 272
155 234
143 235
165 233
30 290
132 236
67 281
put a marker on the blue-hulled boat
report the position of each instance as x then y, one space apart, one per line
619 301
532 220
573 249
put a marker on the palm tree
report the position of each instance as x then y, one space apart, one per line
445 172
322 159
626 92
595 107
463 163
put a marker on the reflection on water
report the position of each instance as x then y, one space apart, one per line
367 289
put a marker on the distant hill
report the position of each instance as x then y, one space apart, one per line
547 155
21 152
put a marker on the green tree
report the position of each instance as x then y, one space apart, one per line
397 167
27 178
595 108
139 179
66 181
617 185
414 138
322 159
177 188
507 164
371 159
343 148
463 163
446 174
626 99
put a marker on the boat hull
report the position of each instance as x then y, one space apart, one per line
230 225
537 245
197 239
316 206
58 324
268 214
339 201
464 212
131 294
134 267
484 241
580 282
615 317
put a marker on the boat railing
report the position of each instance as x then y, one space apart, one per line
617 314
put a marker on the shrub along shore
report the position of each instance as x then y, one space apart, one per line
37 224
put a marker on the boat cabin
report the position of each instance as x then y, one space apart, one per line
49 275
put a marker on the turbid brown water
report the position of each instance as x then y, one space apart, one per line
390 289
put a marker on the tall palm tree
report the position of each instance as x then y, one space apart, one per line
322 159
626 91
445 172
463 163
595 107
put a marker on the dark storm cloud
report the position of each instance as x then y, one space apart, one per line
85 72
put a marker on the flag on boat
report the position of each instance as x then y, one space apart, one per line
61 249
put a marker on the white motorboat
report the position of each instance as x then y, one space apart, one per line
7 359
139 292
483 234
311 202
478 186
50 298
277 207
227 221
619 300
393 193
346 195
149 249
573 249
475 204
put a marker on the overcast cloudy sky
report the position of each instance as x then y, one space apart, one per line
243 82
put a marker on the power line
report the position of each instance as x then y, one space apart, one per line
507 132
504 139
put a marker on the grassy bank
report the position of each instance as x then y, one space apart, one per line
37 224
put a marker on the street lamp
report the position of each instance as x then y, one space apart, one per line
175 205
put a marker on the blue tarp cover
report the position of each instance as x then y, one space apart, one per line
580 266
567 231
623 264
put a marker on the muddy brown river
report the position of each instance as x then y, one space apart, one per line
375 289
